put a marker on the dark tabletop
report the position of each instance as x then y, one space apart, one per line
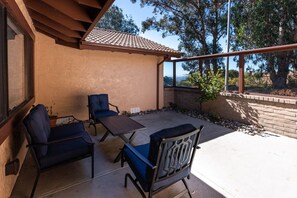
121 124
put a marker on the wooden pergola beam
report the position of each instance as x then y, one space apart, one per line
90 3
55 15
71 9
54 25
105 7
241 74
53 32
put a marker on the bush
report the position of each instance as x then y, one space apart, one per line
209 84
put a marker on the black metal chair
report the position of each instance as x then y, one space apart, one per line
166 160
51 147
98 106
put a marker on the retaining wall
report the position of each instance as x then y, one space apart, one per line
277 115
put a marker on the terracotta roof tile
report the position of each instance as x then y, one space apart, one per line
112 38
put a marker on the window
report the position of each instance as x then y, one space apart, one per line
16 67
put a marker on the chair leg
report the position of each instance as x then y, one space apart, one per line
104 136
185 183
134 181
93 163
150 194
122 159
92 122
35 184
94 125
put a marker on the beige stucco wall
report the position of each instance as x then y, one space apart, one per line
65 76
14 146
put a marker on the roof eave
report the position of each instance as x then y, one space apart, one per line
130 50
99 16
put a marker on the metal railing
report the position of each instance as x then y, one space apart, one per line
241 62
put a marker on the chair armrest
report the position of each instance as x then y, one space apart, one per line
139 156
115 107
60 141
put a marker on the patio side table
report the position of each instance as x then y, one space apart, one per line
119 126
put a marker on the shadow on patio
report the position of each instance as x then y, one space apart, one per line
228 164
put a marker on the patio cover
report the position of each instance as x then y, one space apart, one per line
67 21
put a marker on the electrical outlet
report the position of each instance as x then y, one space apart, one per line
135 110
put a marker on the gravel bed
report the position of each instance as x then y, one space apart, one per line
250 129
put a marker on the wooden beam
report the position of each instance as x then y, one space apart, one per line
174 74
73 45
54 25
71 9
106 6
201 67
90 3
279 48
14 9
53 32
55 15
241 74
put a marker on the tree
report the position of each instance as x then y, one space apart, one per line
114 19
261 23
168 81
199 24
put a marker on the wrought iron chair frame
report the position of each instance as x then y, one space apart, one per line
156 168
39 170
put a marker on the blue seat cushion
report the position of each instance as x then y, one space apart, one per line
140 169
101 114
66 151
137 166
66 130
38 126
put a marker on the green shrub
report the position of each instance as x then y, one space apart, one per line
210 85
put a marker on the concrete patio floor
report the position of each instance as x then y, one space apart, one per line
228 164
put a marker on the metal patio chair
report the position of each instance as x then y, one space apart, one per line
166 160
55 146
98 106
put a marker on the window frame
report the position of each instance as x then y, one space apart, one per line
10 120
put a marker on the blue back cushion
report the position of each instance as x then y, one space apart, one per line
98 102
156 138
38 126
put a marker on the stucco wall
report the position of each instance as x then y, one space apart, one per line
274 114
65 76
14 146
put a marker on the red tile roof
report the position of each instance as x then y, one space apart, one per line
119 41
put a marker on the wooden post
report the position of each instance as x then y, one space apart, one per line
241 74
201 66
174 74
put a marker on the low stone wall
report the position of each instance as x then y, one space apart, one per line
277 115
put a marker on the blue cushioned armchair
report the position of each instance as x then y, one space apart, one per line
55 146
98 106
166 160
